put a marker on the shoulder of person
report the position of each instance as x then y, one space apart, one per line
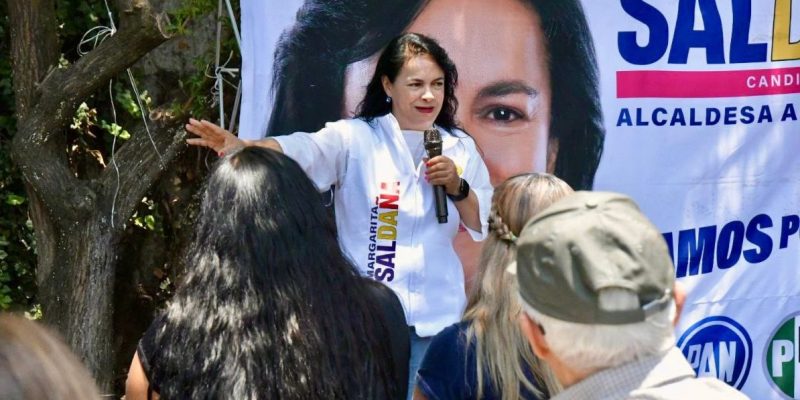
149 352
462 136
713 388
343 125
443 372
385 297
454 335
454 132
352 126
376 288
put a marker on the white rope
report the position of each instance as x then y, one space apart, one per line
114 159
144 119
94 37
234 25
235 111
110 17
216 91
222 69
101 33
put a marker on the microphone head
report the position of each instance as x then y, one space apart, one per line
432 140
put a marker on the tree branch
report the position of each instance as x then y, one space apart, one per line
36 146
140 32
139 165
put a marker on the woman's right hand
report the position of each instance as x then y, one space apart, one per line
213 136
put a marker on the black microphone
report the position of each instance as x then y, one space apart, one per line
433 145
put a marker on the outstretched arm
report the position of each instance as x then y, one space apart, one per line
220 140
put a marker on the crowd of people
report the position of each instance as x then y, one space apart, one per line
574 295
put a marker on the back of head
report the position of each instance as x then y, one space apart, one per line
514 203
391 61
36 365
596 274
493 306
266 295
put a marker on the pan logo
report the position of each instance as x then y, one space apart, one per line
718 347
781 358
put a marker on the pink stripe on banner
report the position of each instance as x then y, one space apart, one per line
704 84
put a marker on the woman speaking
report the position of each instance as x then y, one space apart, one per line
384 183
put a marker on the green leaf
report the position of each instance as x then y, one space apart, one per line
5 302
3 254
35 313
14 200
115 130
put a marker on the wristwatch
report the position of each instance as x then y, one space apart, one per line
463 191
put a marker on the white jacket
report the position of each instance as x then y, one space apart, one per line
385 211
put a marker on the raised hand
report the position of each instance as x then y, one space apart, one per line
212 136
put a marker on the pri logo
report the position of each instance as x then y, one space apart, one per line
781 358
718 347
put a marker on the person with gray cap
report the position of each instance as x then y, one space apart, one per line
596 283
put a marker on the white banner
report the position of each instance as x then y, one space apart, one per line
699 109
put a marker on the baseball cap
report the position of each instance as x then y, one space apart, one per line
585 243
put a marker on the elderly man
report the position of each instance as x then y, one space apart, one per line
596 282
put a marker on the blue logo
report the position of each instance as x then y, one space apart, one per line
718 347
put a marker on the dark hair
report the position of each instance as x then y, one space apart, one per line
310 62
397 52
576 117
269 307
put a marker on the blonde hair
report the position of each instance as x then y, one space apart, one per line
36 364
493 307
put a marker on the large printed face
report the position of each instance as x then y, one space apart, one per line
504 82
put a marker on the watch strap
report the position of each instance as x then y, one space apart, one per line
463 191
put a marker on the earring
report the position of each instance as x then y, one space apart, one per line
388 99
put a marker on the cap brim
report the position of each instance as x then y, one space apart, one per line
512 268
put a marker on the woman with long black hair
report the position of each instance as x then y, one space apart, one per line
270 307
384 197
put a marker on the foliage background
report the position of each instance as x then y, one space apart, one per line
175 79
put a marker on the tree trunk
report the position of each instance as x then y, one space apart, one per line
84 309
79 223
34 47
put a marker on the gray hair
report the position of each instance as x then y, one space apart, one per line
589 348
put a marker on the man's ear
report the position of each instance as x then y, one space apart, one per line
679 295
387 85
552 153
535 336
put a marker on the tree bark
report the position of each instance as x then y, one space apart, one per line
79 223
34 46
